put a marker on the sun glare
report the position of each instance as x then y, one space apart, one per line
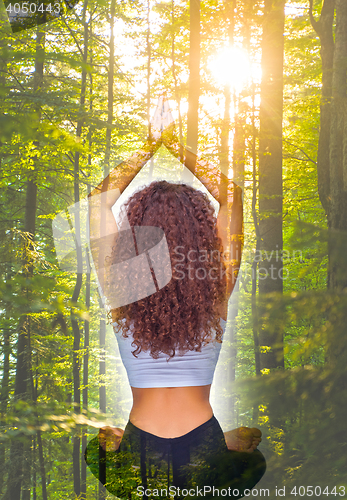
231 67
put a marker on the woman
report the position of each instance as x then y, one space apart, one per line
170 341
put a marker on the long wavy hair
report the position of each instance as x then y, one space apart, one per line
185 314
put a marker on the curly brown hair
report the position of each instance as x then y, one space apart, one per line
183 315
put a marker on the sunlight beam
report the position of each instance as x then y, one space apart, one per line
231 66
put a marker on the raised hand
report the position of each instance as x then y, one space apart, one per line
162 118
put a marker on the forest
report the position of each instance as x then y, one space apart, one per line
259 89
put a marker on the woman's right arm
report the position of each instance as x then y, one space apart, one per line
102 224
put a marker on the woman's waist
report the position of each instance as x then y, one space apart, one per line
171 411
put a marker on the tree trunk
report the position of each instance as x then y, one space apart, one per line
85 390
254 268
86 323
74 320
337 216
110 87
102 327
102 394
225 134
239 147
34 386
270 178
332 151
194 77
174 76
338 135
149 53
224 166
4 395
5 390
18 445
26 484
34 469
324 29
42 466
21 443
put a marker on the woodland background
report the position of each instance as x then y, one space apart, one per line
76 98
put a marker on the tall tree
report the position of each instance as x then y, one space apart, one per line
5 387
6 331
324 29
22 387
85 387
102 330
270 177
194 76
86 322
79 275
224 153
332 150
174 75
337 214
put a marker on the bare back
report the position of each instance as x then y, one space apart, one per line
170 411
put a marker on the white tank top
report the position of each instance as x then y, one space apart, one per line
192 368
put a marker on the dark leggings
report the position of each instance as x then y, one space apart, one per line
194 465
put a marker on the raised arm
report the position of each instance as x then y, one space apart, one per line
102 224
229 197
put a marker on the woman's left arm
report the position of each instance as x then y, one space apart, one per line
229 197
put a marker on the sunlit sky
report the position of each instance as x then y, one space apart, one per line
230 66
235 74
